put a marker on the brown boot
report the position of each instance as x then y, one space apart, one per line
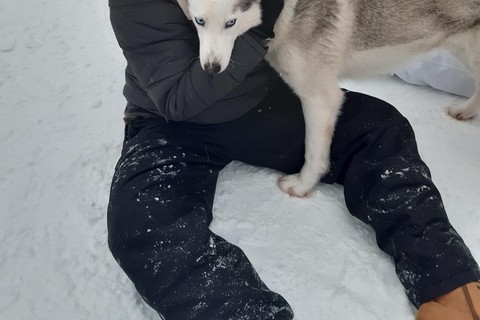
461 304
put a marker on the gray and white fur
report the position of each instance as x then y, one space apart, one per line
319 42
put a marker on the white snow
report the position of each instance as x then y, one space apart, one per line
60 134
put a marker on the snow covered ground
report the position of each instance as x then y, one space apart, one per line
61 77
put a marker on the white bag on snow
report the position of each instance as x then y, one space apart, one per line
439 70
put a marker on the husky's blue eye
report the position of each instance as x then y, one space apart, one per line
200 21
230 23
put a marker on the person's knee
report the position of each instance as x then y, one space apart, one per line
380 114
383 130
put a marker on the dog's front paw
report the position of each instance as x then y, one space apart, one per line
463 111
293 186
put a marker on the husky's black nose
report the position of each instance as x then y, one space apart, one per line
213 68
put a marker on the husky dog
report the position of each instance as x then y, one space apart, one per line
319 42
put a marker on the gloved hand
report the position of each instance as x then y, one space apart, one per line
271 10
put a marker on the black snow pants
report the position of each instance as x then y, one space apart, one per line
163 190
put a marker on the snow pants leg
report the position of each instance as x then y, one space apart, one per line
164 184
386 185
158 218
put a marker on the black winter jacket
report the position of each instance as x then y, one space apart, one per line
164 75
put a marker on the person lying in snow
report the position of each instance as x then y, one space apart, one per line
183 126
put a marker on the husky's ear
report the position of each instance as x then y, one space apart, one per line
184 5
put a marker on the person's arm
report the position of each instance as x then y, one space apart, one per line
161 48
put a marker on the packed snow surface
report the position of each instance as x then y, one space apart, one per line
60 134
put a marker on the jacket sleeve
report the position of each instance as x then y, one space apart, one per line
161 47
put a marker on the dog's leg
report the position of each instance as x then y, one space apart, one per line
320 111
469 56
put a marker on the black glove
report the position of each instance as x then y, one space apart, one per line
271 9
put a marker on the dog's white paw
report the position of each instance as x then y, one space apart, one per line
463 111
293 186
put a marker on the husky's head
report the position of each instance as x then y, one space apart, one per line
219 23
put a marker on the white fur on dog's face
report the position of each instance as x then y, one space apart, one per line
216 36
